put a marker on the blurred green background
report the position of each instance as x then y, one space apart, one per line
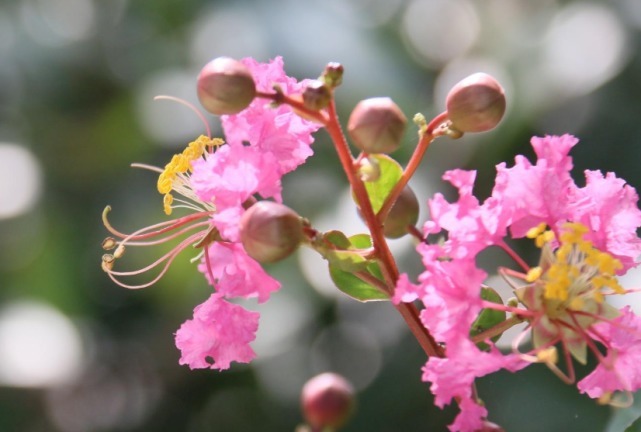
77 80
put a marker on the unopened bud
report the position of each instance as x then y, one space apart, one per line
270 231
327 401
316 95
476 104
404 213
333 74
376 125
225 86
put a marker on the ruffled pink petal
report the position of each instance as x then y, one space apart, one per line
621 369
237 274
276 131
219 334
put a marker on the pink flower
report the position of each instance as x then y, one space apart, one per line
591 238
454 375
228 177
219 333
236 274
275 131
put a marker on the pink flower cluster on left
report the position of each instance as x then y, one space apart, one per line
264 143
216 181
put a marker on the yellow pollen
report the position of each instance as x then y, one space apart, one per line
548 355
576 304
536 231
579 271
533 274
181 164
167 200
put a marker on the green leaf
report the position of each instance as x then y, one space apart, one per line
347 255
488 318
355 287
378 190
344 278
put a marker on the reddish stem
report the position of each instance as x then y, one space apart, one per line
427 136
390 272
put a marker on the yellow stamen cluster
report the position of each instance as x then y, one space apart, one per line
578 271
180 165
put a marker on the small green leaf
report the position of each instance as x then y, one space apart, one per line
488 318
361 241
350 261
378 190
338 239
355 287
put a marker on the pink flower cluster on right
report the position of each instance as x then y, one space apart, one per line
587 237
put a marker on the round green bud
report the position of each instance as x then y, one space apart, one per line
476 104
327 401
270 231
225 86
376 125
404 213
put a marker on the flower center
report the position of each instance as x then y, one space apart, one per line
576 275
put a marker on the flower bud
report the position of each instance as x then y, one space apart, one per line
376 125
476 104
403 213
225 86
327 401
333 74
270 231
316 95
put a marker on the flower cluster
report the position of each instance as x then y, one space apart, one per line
587 237
217 182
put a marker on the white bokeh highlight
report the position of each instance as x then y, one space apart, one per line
39 346
437 31
20 180
584 47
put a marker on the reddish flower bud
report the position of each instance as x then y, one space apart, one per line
403 213
327 401
270 231
376 125
225 86
476 104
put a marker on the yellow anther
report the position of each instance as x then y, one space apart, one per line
533 274
107 262
605 398
576 304
165 183
120 251
548 355
536 231
109 243
167 201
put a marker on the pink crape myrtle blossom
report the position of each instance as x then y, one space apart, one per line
215 181
275 131
219 333
279 141
587 237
